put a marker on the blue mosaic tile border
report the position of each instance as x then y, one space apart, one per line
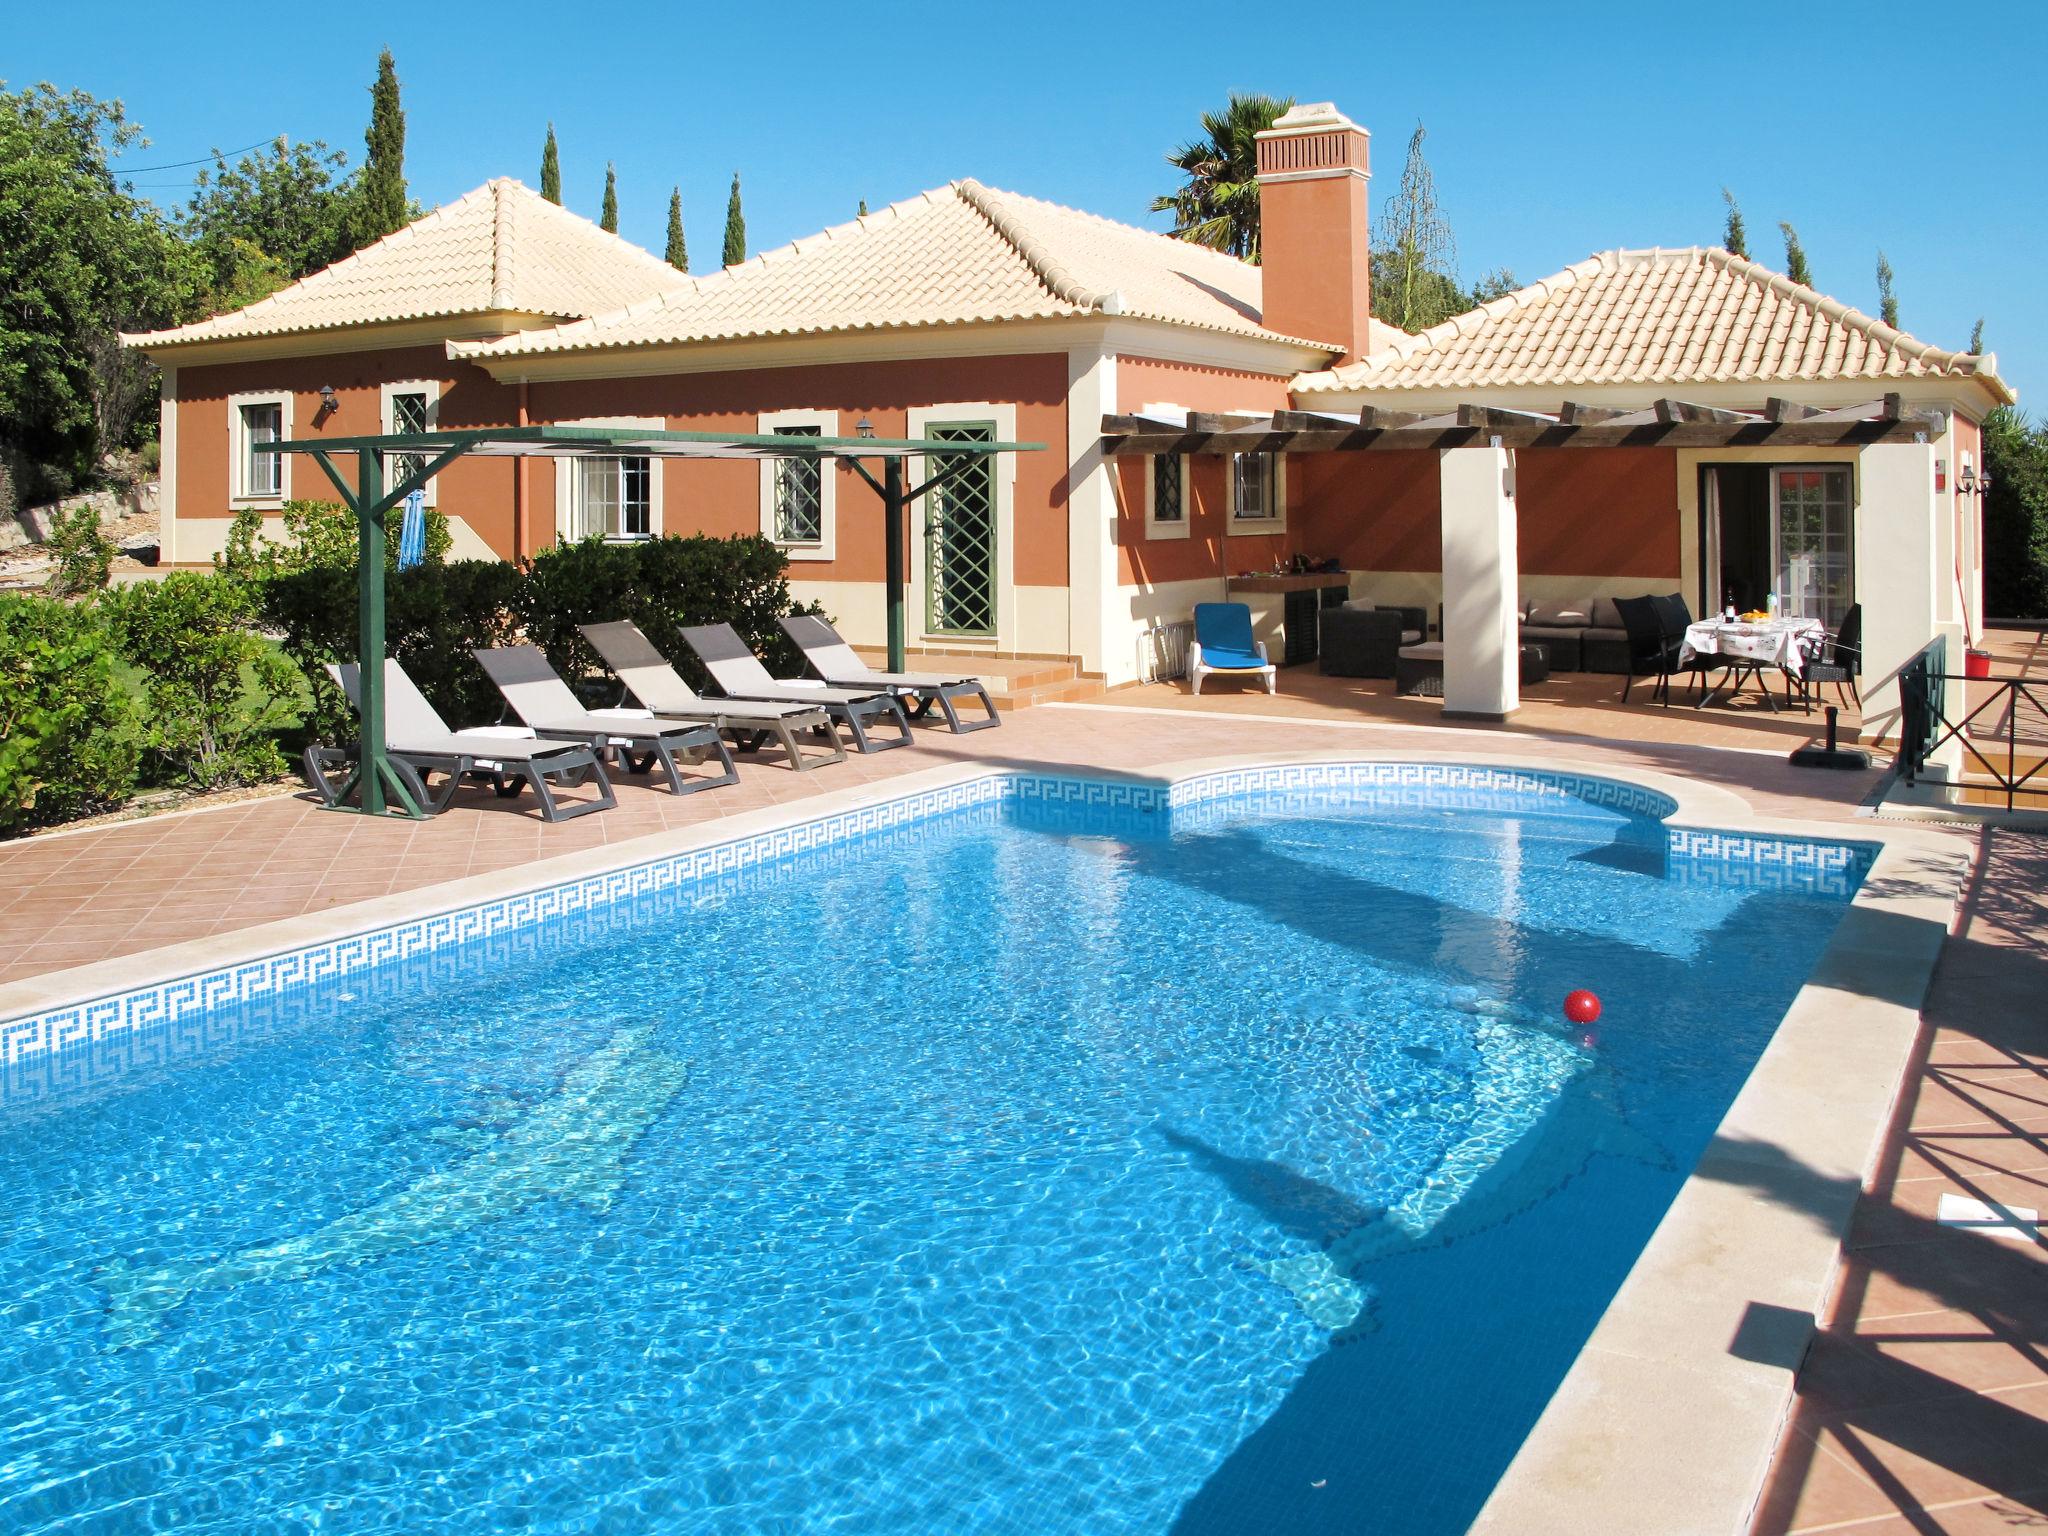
165 1019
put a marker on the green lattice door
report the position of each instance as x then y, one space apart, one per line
960 536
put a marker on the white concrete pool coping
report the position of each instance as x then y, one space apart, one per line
1667 1420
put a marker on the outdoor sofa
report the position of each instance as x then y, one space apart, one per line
417 742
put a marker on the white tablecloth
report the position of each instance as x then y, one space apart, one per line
1786 643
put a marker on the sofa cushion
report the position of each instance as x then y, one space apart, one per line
1558 615
1602 614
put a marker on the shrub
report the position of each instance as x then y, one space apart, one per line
316 533
67 746
661 585
216 692
433 616
83 553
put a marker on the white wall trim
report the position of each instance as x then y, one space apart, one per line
565 469
431 388
922 419
1153 340
1246 527
1176 528
167 467
237 449
827 423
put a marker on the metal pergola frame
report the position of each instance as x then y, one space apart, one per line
382 789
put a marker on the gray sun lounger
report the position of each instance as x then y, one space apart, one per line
648 677
417 742
841 667
740 675
538 696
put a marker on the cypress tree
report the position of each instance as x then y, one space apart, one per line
863 209
380 197
678 253
1887 301
608 220
1977 338
735 226
551 170
1795 256
1735 239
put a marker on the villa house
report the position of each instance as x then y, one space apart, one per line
1153 371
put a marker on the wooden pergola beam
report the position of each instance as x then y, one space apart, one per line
1576 426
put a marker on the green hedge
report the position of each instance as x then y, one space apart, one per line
661 585
67 732
435 614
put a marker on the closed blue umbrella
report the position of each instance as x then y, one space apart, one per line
412 533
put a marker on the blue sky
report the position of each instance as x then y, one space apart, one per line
1553 131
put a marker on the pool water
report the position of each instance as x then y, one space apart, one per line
1026 1170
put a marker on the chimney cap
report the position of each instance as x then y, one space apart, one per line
1310 117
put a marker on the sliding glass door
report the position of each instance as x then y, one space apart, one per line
1783 529
1811 517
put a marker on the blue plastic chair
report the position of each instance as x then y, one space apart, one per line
1223 643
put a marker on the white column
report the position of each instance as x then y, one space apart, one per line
167 468
1091 510
1482 658
1900 581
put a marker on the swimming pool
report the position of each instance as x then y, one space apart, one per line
1061 1161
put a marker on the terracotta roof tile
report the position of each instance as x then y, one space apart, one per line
502 247
960 254
1652 317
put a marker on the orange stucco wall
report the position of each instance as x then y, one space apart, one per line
724 496
1206 551
477 490
718 497
1611 513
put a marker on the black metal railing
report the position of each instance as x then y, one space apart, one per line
1922 687
1924 726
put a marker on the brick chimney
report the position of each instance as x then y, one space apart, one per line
1314 244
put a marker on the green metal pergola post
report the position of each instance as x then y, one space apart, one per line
374 768
895 514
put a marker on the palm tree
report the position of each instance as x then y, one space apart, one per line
1218 206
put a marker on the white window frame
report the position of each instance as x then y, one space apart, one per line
1172 528
919 421
431 388
827 423
1244 526
239 494
566 478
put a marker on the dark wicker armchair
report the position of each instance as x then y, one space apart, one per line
1363 642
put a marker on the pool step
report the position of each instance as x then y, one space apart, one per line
1014 682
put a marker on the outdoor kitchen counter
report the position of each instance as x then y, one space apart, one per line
1300 598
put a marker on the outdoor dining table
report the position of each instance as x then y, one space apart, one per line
1746 648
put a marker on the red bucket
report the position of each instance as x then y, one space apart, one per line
1976 663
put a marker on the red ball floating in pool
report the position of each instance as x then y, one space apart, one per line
1581 1007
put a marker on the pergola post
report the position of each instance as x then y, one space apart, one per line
894 544
370 624
1482 651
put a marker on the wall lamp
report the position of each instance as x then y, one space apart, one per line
329 402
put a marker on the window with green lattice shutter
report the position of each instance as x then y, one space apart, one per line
960 534
799 494
408 414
